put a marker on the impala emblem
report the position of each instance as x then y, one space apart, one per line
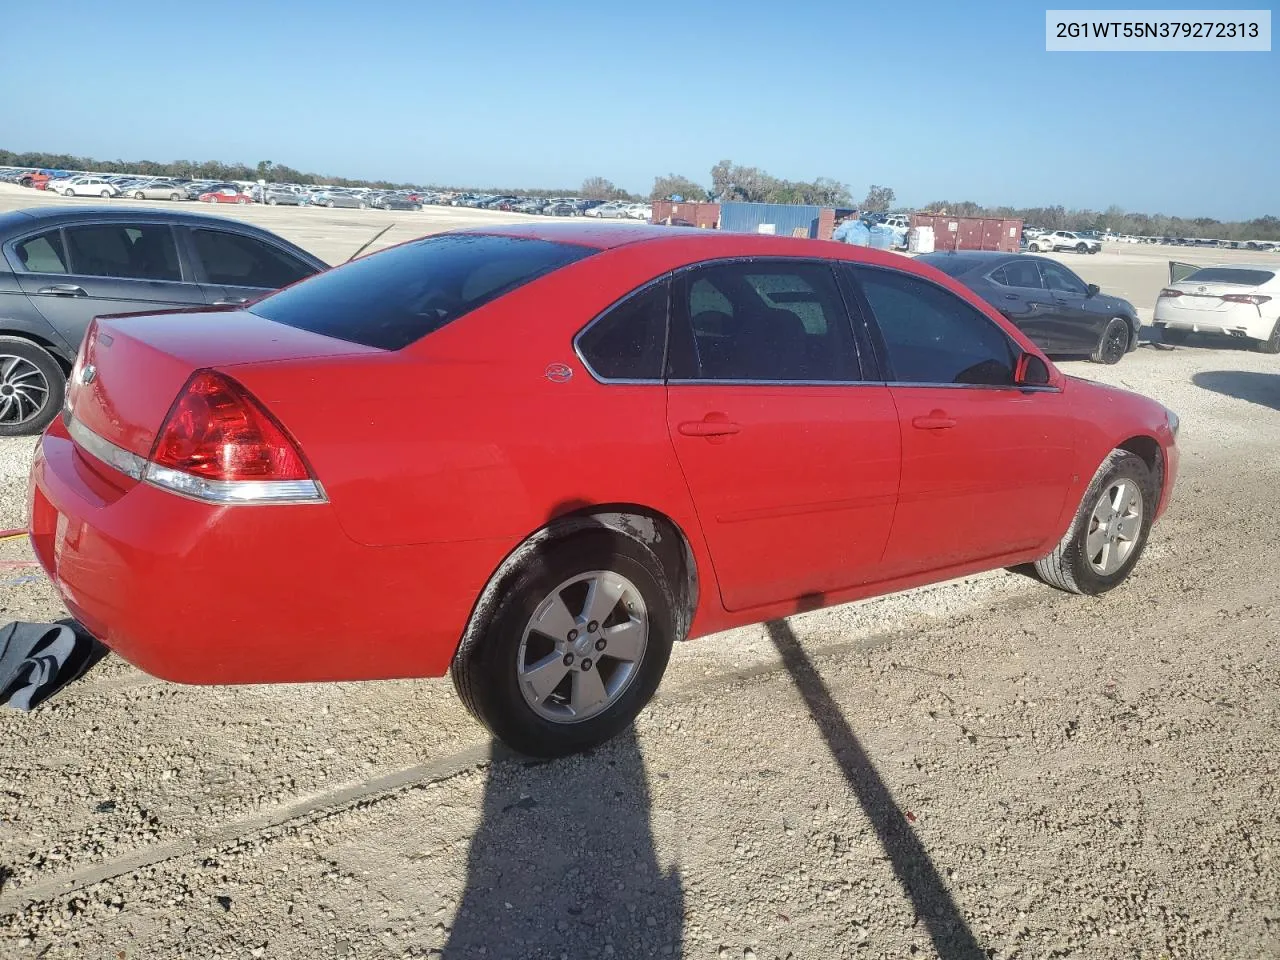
89 374
558 372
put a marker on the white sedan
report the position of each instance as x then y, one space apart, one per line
1241 300
1064 240
84 187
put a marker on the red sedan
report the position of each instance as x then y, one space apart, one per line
225 196
536 456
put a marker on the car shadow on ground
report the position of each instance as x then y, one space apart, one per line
1260 388
952 938
564 863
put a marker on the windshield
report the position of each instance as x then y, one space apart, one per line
397 296
1237 275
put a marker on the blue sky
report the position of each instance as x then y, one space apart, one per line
938 100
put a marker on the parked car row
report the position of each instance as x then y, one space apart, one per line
1037 235
547 206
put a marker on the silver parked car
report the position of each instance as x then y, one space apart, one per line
154 190
336 199
288 198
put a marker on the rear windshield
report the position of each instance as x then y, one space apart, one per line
400 295
953 265
1246 278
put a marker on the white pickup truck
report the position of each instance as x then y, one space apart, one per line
1057 240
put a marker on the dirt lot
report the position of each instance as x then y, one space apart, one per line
986 768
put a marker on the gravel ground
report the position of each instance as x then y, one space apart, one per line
985 768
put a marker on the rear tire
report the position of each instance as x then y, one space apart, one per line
175 197
139 195
1034 247
1114 343
28 403
486 669
1174 335
1073 566
1272 343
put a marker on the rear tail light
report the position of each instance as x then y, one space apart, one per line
1169 292
1256 299
219 444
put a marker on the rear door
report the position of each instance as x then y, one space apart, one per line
237 268
985 465
77 272
791 457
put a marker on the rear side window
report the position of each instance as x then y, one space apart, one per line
627 342
953 265
144 251
234 260
761 321
42 254
1245 278
1019 273
392 298
931 335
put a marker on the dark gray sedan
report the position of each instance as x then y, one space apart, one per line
62 266
1061 313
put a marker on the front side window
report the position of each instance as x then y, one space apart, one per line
397 296
931 335
1062 280
43 253
627 342
142 251
761 321
234 260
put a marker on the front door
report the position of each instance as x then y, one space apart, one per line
1078 323
985 465
791 459
78 272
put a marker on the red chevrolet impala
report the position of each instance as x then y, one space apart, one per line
536 456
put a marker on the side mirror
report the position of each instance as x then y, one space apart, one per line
1031 372
1094 289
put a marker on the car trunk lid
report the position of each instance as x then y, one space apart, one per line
131 369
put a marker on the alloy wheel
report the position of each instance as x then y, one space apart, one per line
582 647
1114 527
23 390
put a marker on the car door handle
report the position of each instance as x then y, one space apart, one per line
937 420
63 290
708 428
230 301
1012 296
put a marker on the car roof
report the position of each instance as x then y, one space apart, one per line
1268 267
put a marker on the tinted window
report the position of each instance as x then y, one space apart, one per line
1059 278
627 343
1244 277
953 265
761 321
144 251
400 295
1019 273
42 254
931 335
239 261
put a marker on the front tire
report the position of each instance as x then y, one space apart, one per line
1034 247
32 387
139 195
540 674
1109 531
1114 343
1082 248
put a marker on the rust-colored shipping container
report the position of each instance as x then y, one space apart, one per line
705 215
971 233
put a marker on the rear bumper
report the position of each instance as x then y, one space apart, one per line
1241 321
197 593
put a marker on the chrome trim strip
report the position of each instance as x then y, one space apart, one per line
130 464
234 492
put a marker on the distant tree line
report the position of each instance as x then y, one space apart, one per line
729 181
